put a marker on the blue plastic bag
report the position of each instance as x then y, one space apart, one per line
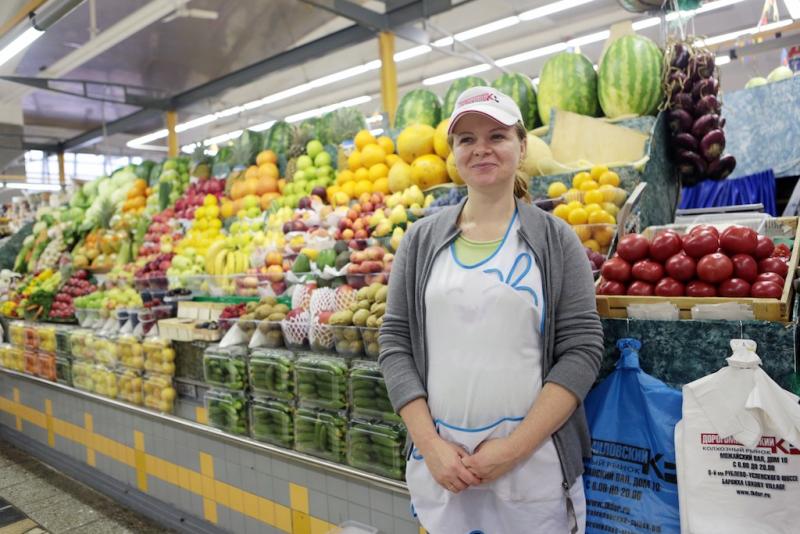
631 481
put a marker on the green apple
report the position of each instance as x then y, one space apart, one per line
253 212
257 225
324 170
311 173
322 159
313 148
299 176
303 162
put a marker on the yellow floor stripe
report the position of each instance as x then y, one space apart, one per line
208 487
298 497
48 410
18 420
201 415
141 460
88 422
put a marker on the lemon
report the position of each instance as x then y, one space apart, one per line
363 138
574 204
556 189
372 154
620 196
573 194
609 192
379 170
381 185
391 159
594 196
591 244
349 189
591 208
578 216
354 160
588 185
562 211
363 186
598 171
610 207
345 176
598 217
603 235
579 178
610 178
361 174
387 144
584 232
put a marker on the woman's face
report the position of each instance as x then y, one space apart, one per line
487 153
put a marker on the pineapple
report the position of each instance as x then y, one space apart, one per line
240 159
202 162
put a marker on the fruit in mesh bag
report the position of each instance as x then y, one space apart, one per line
320 334
302 296
344 297
295 326
322 300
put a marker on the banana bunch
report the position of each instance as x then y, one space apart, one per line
221 259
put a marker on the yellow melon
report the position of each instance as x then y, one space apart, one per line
452 170
399 177
440 140
429 170
415 141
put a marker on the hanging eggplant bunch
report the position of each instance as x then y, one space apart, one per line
692 88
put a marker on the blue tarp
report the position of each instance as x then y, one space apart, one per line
753 189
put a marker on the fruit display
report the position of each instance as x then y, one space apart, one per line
104 349
456 88
107 301
312 176
321 433
629 79
153 274
13 357
321 381
226 366
227 410
46 335
47 365
272 421
418 106
520 88
63 345
172 182
129 382
130 352
159 356
368 396
371 342
367 170
377 448
369 266
691 83
162 224
31 362
271 373
80 341
83 375
704 262
38 294
104 381
158 392
64 370
16 333
368 309
136 199
568 82
78 285
197 196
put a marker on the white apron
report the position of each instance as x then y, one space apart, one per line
484 325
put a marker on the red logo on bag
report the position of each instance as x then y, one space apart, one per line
766 442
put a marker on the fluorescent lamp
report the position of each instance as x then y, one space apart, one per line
34 187
532 54
160 134
222 138
325 109
374 118
344 74
487 28
153 148
793 6
261 126
646 23
19 44
444 41
194 123
376 131
253 104
411 52
588 39
749 31
551 9
446 77
235 110
722 60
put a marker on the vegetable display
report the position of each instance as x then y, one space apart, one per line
272 421
227 410
368 396
321 382
63 371
225 367
321 433
272 373
377 447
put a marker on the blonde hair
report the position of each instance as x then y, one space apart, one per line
520 178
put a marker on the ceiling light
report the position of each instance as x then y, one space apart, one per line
722 60
411 52
19 44
749 31
160 134
487 28
325 109
376 131
550 9
446 77
444 41
793 6
235 110
532 54
374 118
34 187
646 23
261 126
194 123
588 39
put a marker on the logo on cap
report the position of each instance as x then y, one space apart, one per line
484 97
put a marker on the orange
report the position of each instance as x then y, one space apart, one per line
584 232
363 138
269 170
266 156
251 172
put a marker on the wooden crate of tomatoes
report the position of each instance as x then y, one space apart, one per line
751 263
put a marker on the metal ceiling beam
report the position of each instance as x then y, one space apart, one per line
349 10
100 91
349 36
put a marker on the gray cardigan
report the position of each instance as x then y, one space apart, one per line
573 336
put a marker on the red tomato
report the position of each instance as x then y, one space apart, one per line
698 288
714 268
633 247
734 287
647 271
669 287
771 277
764 247
782 251
639 288
681 267
611 287
738 240
616 269
705 228
773 265
665 244
766 290
745 267
699 244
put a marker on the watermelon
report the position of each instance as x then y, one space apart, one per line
340 125
419 106
456 88
520 89
568 82
277 138
629 81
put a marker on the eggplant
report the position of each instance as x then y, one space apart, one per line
691 163
677 79
680 56
705 87
680 121
686 141
721 168
705 124
712 145
708 105
702 64
682 101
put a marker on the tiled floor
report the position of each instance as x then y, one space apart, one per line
57 504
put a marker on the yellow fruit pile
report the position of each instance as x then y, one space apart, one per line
206 228
367 169
592 205
423 151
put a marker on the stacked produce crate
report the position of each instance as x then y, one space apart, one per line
225 369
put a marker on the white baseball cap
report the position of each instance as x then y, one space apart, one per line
487 101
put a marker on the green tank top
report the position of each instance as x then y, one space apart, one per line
471 252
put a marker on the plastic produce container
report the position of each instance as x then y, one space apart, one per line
271 333
321 433
16 333
79 344
377 447
104 350
348 341
105 381
47 365
227 410
129 382
83 375
131 354
159 393
159 356
189 359
368 396
31 362
12 357
272 421
226 367
64 371
272 373
31 336
369 336
47 337
63 345
321 382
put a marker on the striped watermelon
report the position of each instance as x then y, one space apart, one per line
568 82
277 138
520 89
629 82
419 106
456 88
